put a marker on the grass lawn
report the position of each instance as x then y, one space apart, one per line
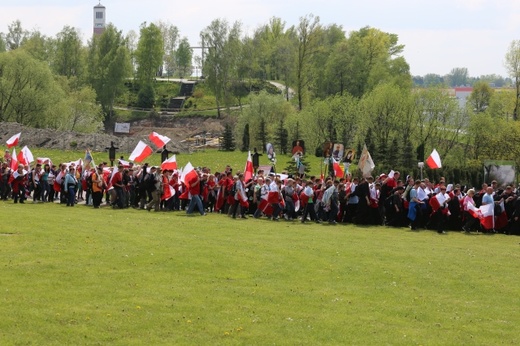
79 276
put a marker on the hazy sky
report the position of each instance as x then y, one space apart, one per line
438 34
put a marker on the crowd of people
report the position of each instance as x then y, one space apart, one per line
381 200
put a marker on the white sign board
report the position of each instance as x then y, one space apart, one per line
122 128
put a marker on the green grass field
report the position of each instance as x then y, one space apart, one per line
79 276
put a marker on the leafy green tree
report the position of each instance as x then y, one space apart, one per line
330 37
69 58
28 93
15 35
263 115
146 96
432 79
108 67
338 68
439 121
83 113
183 58
308 31
38 45
502 104
458 76
373 58
480 97
170 34
149 53
512 64
220 66
383 111
284 59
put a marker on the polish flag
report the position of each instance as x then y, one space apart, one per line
13 141
141 152
273 196
14 161
488 218
168 193
338 170
25 156
159 140
189 175
249 170
437 201
484 214
124 163
434 160
169 164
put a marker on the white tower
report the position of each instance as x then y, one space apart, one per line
99 19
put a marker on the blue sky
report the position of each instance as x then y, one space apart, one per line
438 35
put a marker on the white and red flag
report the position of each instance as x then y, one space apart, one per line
434 160
488 217
169 164
168 193
14 161
25 156
159 140
249 170
13 141
124 163
141 152
188 175
437 201
484 214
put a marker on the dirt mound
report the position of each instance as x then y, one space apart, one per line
180 130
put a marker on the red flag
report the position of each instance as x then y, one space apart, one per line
484 213
14 161
25 156
437 201
13 141
488 218
249 170
159 140
168 193
189 175
169 164
434 160
21 159
338 170
141 152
